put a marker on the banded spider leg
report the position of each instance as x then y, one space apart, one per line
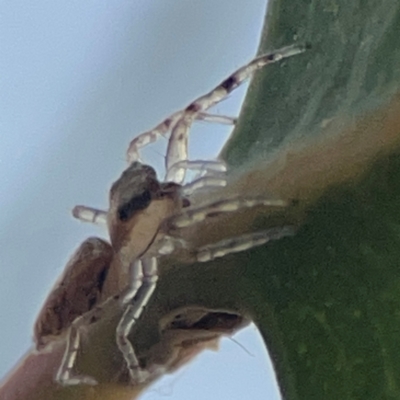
143 210
179 123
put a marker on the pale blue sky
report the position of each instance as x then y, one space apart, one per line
78 80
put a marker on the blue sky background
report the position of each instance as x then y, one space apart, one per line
78 80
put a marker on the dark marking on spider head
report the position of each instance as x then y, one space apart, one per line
134 190
136 203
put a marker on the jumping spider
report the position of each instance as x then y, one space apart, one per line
143 218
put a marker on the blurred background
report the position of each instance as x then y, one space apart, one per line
79 80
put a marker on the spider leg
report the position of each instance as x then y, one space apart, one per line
65 374
198 108
204 182
177 145
89 214
162 129
242 243
143 280
136 301
209 167
216 118
199 214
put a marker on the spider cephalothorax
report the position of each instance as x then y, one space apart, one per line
138 205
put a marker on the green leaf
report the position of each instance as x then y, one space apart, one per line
323 129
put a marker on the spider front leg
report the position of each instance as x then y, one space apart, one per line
180 122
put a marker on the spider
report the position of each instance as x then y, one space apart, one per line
143 218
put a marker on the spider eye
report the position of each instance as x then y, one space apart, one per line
137 203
